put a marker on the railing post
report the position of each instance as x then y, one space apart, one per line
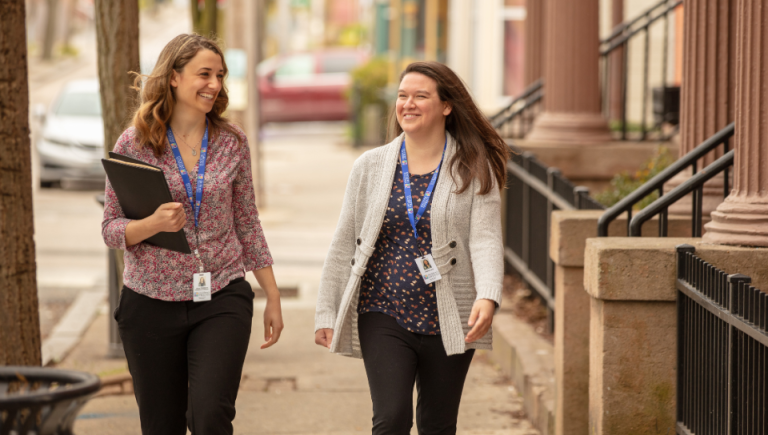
579 192
551 174
734 282
682 274
526 157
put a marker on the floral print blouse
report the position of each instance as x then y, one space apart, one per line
231 238
392 283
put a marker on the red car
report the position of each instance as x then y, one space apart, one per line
307 86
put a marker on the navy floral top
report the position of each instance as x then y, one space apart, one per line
392 283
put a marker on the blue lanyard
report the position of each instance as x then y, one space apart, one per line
183 171
407 187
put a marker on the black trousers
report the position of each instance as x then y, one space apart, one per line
394 360
186 358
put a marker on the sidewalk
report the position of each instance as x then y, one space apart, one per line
297 387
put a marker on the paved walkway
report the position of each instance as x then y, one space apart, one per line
297 387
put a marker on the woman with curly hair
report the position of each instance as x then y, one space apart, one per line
186 349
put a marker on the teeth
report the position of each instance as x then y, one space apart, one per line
208 96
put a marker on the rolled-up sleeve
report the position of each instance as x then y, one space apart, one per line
256 253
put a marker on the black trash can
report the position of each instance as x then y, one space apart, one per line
42 401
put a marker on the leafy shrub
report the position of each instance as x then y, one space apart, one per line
625 183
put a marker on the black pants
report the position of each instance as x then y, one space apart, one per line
186 358
396 358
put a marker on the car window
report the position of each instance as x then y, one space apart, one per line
297 67
338 63
79 104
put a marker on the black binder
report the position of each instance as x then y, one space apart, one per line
141 188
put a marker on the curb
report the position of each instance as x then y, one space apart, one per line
528 360
67 333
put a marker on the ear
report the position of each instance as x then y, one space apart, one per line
447 109
175 79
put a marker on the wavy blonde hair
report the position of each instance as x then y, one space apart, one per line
158 99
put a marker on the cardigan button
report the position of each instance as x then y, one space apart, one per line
452 244
359 242
453 261
352 262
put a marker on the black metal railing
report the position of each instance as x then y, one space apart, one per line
534 192
693 185
722 350
614 53
516 119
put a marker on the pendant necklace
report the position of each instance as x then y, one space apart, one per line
194 151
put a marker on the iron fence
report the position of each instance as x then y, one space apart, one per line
722 341
534 192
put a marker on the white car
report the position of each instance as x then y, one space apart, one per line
72 141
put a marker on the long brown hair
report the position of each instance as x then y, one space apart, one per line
481 153
158 99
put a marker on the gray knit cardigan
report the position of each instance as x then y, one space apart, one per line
466 245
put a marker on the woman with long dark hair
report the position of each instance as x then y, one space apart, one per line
414 272
186 349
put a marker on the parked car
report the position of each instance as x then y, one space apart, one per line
72 141
307 86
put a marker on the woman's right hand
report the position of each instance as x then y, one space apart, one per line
169 217
324 337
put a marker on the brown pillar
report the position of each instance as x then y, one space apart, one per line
708 87
743 218
572 106
534 41
616 75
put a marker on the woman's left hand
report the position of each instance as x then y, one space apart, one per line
273 322
480 319
273 314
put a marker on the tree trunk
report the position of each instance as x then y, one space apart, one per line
117 30
19 318
194 8
49 37
211 18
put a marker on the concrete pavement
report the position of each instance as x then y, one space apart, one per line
297 387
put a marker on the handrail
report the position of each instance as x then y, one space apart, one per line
619 29
656 183
535 98
695 182
533 87
621 41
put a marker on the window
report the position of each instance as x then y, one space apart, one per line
79 104
297 67
338 63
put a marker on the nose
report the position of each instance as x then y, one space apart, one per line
409 102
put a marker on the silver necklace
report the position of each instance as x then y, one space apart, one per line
194 151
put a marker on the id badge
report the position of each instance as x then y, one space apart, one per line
201 287
428 269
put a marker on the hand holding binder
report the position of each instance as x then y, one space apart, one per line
141 189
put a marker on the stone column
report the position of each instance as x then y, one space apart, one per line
707 94
616 74
743 218
534 41
572 106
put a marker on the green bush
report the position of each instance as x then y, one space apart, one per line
625 183
370 80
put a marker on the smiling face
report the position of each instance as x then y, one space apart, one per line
419 109
199 83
